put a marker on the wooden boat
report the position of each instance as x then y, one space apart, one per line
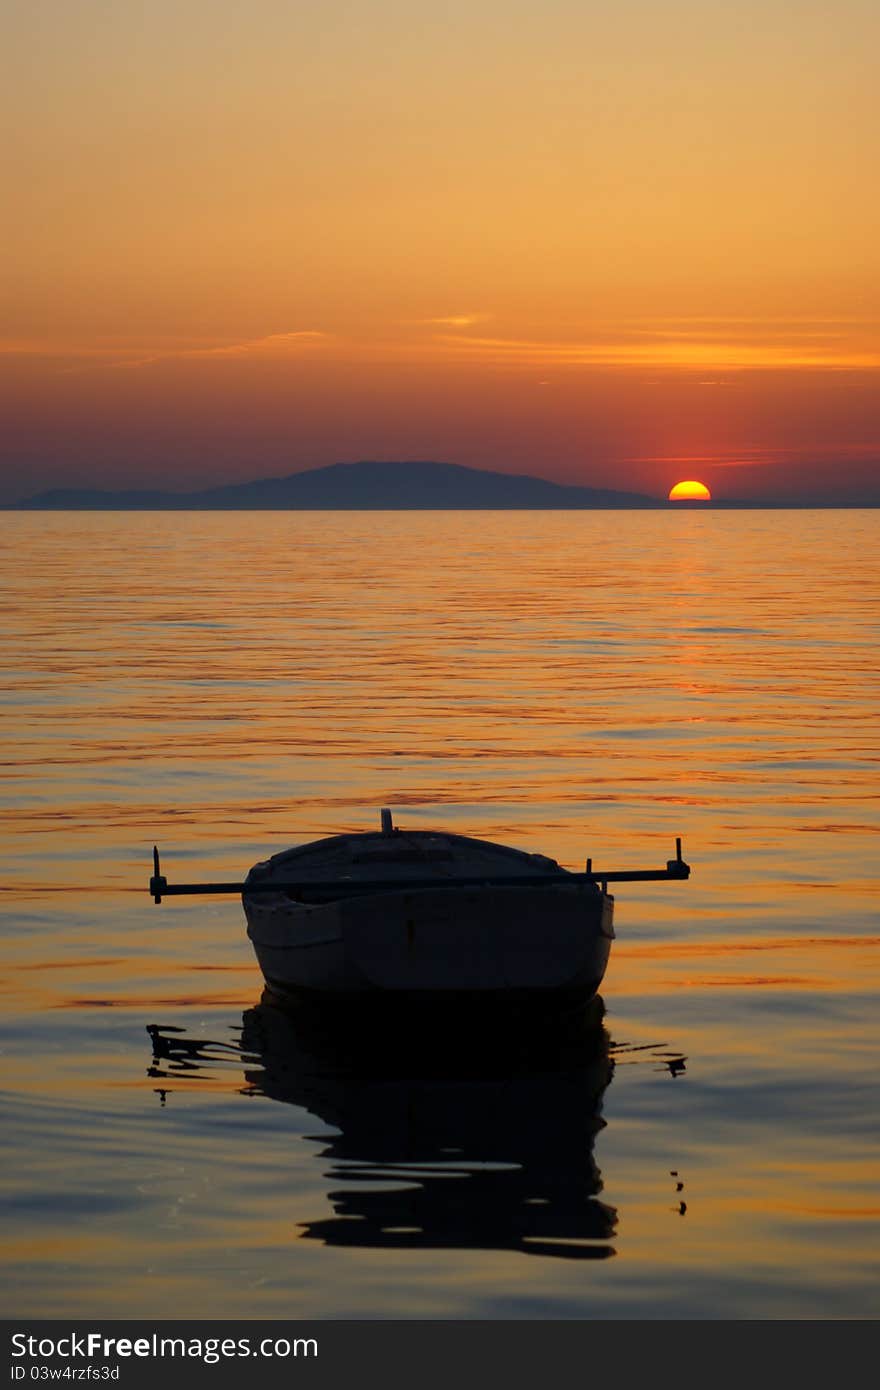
426 916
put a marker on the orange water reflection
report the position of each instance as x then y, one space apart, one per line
578 684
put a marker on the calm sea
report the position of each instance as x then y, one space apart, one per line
226 685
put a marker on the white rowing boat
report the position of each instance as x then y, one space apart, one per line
422 915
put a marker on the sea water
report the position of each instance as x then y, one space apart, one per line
576 684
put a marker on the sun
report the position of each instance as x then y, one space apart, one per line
690 491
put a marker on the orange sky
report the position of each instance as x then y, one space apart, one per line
605 244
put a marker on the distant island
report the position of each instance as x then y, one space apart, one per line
373 486
391 486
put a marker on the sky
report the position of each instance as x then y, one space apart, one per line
607 244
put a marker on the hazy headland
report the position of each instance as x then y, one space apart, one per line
385 486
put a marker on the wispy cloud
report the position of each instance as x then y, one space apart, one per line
453 321
712 349
273 345
751 456
128 356
756 320
670 349
36 347
748 458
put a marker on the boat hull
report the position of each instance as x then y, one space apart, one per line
518 944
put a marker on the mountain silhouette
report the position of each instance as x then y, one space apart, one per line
368 485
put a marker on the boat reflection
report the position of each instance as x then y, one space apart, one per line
474 1139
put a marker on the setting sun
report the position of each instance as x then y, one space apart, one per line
690 491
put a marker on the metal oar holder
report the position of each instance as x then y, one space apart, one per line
351 888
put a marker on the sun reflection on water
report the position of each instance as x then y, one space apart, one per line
581 684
